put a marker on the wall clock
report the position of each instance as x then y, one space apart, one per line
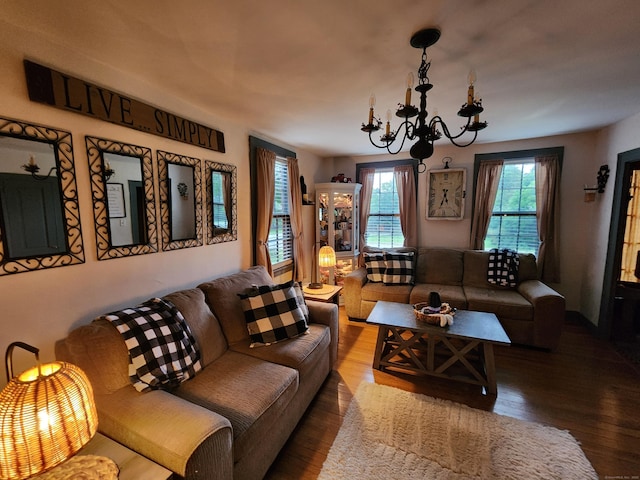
446 190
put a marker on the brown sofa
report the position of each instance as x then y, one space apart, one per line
532 313
234 416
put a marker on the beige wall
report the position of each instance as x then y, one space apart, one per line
40 307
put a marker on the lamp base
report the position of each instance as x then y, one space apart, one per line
89 467
315 286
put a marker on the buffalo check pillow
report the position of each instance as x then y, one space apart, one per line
375 265
274 313
400 270
162 351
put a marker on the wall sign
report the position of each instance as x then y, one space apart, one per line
69 93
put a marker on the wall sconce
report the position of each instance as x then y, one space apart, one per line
33 168
108 172
47 414
602 177
183 191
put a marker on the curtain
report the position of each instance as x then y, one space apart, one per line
265 186
631 243
366 179
486 191
295 216
548 216
406 185
226 195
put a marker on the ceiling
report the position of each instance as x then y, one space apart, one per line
301 72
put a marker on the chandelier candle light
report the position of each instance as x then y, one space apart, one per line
425 132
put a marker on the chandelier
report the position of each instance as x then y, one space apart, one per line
425 132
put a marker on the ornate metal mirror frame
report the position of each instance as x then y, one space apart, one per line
215 234
63 150
164 159
96 148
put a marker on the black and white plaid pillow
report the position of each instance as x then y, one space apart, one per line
273 313
301 301
400 268
162 351
376 266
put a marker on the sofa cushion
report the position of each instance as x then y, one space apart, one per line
301 353
221 295
528 269
252 393
203 324
272 313
504 303
400 268
162 351
441 266
98 349
451 294
375 265
390 293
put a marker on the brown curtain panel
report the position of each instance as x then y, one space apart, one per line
548 216
486 191
265 175
295 216
406 185
366 179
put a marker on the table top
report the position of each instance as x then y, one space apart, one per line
132 465
327 294
466 324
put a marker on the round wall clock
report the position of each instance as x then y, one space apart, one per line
446 189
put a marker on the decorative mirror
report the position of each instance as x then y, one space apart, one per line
39 214
123 198
222 221
180 200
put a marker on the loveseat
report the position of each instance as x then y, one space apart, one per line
531 312
232 418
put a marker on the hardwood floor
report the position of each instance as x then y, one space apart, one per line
585 387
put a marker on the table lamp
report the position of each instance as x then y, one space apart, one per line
326 258
47 414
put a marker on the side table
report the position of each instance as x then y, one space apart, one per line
328 293
132 465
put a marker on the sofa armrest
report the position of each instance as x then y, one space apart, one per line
353 283
186 438
548 312
326 314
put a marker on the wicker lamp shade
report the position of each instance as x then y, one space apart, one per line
47 414
326 257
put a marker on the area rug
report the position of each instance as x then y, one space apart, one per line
392 434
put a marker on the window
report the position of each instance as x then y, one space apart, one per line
217 195
280 239
513 221
383 226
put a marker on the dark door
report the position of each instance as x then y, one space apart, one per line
32 219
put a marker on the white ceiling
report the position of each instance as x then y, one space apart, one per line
301 71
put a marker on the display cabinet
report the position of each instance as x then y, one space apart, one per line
338 222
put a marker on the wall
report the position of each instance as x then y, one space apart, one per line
576 215
41 307
611 141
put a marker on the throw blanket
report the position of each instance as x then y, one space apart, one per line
503 267
162 351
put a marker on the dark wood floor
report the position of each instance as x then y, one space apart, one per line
585 387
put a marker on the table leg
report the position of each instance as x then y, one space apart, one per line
380 343
490 369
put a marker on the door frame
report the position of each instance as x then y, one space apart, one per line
616 239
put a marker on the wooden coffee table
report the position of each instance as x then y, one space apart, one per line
462 351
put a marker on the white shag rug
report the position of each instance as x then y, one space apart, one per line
388 433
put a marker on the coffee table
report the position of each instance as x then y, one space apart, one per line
462 351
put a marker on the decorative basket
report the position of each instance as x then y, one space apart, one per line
432 319
425 317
